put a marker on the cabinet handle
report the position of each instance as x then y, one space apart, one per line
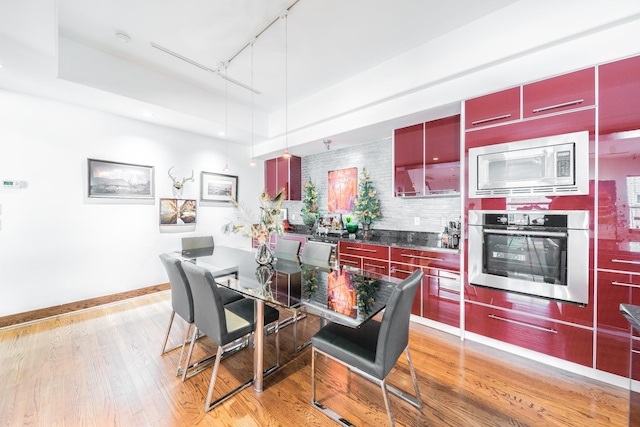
491 119
626 261
628 285
353 248
397 270
346 261
564 104
422 257
525 233
528 325
375 266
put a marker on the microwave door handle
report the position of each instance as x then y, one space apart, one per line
528 233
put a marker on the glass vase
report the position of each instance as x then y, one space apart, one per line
264 256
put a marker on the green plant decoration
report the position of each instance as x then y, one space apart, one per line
310 209
367 203
366 290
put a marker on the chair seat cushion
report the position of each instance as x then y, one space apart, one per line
227 295
240 317
354 346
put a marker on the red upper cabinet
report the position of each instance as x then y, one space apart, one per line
499 107
619 86
442 155
427 158
284 173
408 152
565 92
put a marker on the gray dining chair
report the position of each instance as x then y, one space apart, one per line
287 249
182 303
197 246
373 349
229 326
316 253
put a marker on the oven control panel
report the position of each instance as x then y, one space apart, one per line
525 219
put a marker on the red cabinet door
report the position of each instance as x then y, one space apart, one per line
408 161
271 177
561 340
402 271
282 175
295 178
442 155
499 107
565 92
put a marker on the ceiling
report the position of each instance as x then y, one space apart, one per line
317 56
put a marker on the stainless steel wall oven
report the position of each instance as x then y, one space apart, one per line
539 253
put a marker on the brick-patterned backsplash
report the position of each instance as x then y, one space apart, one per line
376 157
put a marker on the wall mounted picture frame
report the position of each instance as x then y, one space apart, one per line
218 188
342 190
178 212
108 179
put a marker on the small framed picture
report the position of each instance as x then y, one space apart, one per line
177 212
119 180
219 188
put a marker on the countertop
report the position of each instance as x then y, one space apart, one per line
632 313
405 239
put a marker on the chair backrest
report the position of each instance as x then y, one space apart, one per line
197 242
287 249
316 253
181 297
209 315
393 336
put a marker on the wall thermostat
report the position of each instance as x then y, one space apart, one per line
11 184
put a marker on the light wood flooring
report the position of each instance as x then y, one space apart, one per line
102 367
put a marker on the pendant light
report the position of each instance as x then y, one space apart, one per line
226 122
252 162
286 153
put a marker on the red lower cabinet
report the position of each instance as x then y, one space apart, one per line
565 341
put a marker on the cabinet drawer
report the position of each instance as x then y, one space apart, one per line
567 342
565 92
499 107
615 289
376 265
364 250
621 261
425 258
350 260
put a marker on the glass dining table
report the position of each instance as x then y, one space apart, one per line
339 294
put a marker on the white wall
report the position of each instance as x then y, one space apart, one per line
58 246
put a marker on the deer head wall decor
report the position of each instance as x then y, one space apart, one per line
179 184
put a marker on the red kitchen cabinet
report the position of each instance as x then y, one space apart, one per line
408 152
365 256
567 342
565 92
284 173
495 108
427 158
619 211
439 295
614 332
442 156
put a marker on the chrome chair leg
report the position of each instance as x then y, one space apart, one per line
184 344
166 337
385 396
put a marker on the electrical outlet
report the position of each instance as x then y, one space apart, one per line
293 216
416 220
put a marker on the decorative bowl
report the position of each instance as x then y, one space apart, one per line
352 228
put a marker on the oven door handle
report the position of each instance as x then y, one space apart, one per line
527 233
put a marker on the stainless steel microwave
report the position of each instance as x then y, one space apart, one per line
553 166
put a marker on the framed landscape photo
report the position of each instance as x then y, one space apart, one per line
119 180
177 212
219 188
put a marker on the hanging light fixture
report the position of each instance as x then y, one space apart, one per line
252 162
226 122
286 153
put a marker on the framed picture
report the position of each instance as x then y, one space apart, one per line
119 180
342 190
216 187
177 212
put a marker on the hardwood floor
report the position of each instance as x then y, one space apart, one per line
103 367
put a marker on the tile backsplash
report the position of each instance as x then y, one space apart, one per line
377 157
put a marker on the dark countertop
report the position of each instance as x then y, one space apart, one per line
632 313
405 239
